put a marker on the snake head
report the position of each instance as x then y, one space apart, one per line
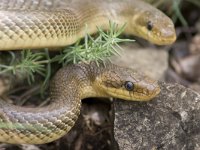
126 84
153 26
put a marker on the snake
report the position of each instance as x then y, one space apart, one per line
34 24
46 23
71 84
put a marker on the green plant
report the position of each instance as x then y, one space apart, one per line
94 49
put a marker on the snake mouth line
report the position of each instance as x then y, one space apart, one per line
167 41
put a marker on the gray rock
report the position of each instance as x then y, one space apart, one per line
151 61
171 121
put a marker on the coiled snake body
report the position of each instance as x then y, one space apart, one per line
37 24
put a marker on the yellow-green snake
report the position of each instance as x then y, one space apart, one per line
41 23
48 23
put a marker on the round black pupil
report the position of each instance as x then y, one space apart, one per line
149 25
129 86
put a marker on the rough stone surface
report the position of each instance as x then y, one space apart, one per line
171 121
148 60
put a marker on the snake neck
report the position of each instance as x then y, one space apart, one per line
109 11
105 12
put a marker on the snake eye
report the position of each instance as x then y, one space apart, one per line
129 85
149 25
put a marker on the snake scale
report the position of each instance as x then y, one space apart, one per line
47 23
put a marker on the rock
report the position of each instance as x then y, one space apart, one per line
170 121
151 61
